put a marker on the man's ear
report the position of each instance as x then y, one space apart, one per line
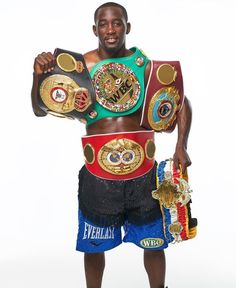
128 28
95 30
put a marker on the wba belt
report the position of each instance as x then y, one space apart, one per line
67 91
119 156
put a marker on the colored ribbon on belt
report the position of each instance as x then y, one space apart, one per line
173 193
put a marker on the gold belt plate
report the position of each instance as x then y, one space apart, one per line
121 156
58 93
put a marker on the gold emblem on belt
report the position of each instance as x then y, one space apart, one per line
175 229
167 194
121 156
166 74
163 107
89 153
117 87
150 149
61 94
68 63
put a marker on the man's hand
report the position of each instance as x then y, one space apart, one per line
44 63
181 159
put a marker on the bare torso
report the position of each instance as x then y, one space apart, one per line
116 124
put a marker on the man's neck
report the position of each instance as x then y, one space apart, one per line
103 54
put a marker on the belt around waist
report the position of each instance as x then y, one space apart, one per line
119 156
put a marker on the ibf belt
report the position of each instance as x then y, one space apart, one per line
173 193
119 156
67 91
164 96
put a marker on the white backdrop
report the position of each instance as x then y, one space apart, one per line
40 157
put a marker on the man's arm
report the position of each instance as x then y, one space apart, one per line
43 63
184 119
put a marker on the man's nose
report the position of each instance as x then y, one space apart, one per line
111 29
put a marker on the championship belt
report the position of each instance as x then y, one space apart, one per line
164 96
67 91
173 194
119 156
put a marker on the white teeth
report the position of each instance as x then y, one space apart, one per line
111 40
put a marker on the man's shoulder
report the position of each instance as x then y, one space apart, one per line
91 53
91 58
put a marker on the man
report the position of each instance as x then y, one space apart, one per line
106 201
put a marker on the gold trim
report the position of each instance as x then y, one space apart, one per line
166 74
164 123
60 115
89 153
148 148
192 232
187 221
66 62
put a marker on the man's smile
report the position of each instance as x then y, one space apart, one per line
111 40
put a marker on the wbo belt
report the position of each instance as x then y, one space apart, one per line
164 96
119 156
67 91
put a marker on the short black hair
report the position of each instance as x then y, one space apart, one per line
111 4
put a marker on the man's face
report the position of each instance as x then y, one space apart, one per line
111 28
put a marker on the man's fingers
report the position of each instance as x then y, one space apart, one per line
50 59
176 162
45 61
185 164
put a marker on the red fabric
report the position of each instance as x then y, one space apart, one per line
98 141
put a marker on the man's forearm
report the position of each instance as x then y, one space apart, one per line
184 119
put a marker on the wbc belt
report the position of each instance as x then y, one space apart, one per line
67 91
164 96
119 156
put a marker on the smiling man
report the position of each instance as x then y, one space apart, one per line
116 183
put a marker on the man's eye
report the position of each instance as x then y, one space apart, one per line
117 23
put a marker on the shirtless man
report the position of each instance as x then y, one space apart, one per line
111 27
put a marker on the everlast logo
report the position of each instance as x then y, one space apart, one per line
124 88
152 242
93 232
